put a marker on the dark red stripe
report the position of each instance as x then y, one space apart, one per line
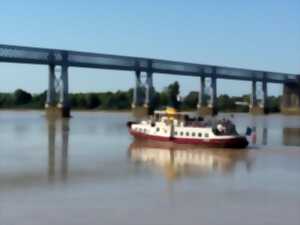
236 142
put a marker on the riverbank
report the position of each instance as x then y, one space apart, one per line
122 100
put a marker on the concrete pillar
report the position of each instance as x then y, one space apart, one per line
50 101
253 99
286 97
213 94
201 93
254 107
211 109
264 101
63 104
140 111
62 108
290 102
149 86
136 96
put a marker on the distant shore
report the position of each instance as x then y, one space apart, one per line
76 110
121 101
115 110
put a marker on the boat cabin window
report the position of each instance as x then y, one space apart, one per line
193 134
187 134
181 133
199 134
175 133
157 129
206 135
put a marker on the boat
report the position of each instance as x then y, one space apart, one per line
179 128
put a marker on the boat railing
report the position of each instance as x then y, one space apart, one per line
224 127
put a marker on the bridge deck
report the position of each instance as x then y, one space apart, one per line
31 55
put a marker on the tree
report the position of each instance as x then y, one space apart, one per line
225 103
92 100
107 100
173 93
273 104
6 100
38 100
78 101
190 101
22 97
122 100
156 101
163 99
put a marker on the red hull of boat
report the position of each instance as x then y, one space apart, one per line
236 142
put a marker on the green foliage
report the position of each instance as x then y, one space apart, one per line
6 100
121 100
190 101
274 104
38 100
157 100
21 97
225 103
163 99
92 101
172 92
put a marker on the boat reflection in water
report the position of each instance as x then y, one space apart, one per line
182 160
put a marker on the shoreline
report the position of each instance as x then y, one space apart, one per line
73 110
122 111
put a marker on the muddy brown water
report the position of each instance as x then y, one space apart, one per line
88 170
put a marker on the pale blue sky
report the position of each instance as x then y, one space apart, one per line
257 34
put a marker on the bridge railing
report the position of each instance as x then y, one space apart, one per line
30 55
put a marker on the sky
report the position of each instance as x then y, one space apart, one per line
257 34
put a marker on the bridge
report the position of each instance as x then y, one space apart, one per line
58 88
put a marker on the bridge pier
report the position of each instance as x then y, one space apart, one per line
149 87
58 107
50 100
64 105
290 103
142 108
136 89
201 93
211 108
254 107
50 106
213 96
264 103
253 97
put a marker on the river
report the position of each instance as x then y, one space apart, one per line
88 170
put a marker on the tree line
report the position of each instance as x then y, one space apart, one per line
121 100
